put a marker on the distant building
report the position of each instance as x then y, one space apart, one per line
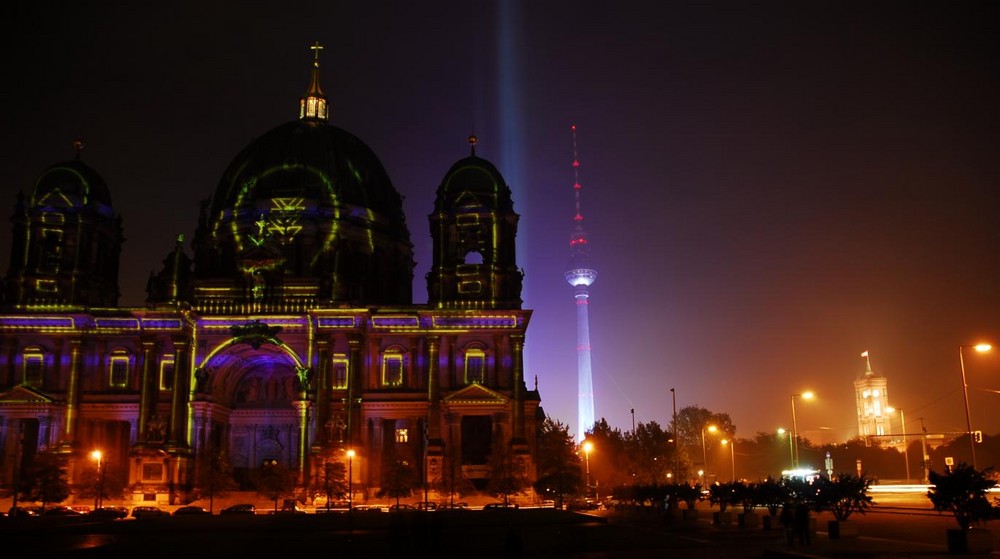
872 395
286 338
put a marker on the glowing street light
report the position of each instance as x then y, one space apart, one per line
807 395
99 498
732 453
587 447
791 451
704 454
350 479
965 393
906 454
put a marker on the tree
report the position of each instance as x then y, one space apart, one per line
45 479
399 479
215 477
962 491
559 467
507 474
331 481
90 483
843 495
274 481
449 478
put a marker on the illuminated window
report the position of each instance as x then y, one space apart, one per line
392 367
118 368
470 287
34 366
402 435
52 243
339 373
475 366
46 286
167 372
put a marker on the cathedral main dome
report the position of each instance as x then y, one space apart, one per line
308 207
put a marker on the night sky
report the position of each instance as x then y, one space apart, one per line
770 189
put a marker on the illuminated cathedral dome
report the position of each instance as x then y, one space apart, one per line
474 181
309 204
72 185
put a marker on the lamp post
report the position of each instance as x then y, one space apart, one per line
731 443
906 452
587 447
795 429
99 457
350 479
704 454
965 393
673 399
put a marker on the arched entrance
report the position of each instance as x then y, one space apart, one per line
256 395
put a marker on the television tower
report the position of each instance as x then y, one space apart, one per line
580 275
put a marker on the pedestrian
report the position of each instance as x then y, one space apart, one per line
787 519
802 523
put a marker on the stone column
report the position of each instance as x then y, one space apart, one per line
179 416
72 393
147 394
517 350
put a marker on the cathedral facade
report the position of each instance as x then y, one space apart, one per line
283 334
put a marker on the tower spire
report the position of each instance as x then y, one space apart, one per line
580 275
312 105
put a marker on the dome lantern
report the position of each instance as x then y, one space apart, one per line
312 105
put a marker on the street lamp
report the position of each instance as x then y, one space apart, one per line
791 451
350 478
99 457
587 447
795 429
965 393
732 453
906 452
704 455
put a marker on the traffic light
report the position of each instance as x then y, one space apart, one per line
978 436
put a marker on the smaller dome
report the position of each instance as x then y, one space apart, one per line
474 181
71 184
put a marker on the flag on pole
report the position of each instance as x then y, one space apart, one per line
865 353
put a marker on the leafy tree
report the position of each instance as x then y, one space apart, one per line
507 474
111 487
450 480
215 478
331 481
274 481
399 479
45 479
843 495
962 491
559 469
692 419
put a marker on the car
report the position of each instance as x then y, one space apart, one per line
242 508
491 506
148 511
23 512
108 513
191 510
426 505
60 510
400 507
456 506
82 509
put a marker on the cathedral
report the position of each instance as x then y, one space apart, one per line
284 334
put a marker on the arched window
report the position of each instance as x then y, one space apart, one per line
33 359
475 366
119 366
393 365
340 368
167 372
